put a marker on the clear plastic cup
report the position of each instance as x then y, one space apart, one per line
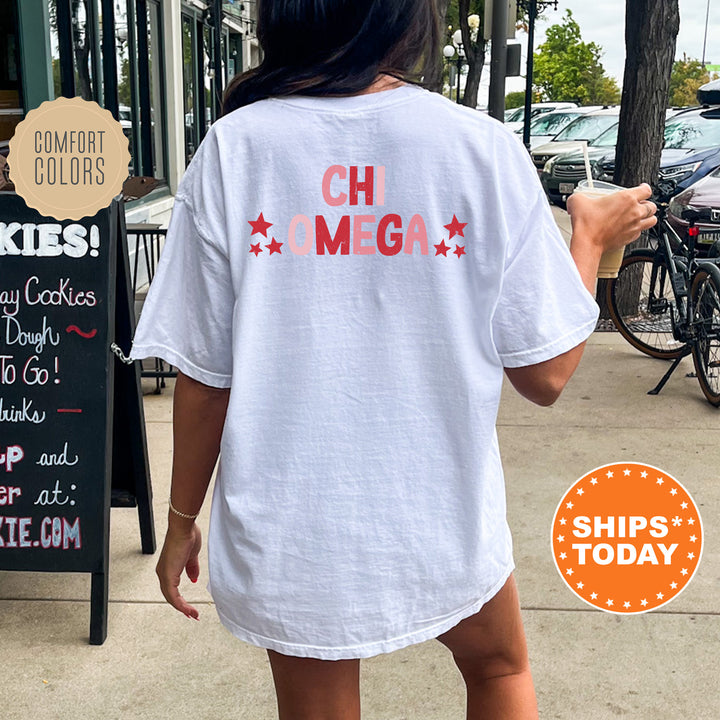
610 261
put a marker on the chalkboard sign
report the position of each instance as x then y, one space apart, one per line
58 290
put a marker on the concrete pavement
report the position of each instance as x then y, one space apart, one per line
588 665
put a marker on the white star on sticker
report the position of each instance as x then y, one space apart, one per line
660 481
569 505
563 556
643 474
684 571
593 481
626 472
673 491
691 556
626 604
609 473
593 596
580 491
561 538
660 596
683 506
691 521
563 521
693 538
609 602
676 521
580 586
643 602
673 585
569 571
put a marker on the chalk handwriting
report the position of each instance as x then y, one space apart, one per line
24 413
55 459
55 532
56 496
13 454
16 335
47 240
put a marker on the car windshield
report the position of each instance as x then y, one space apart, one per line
516 115
552 123
587 127
692 132
608 138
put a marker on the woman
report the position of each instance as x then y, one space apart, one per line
351 265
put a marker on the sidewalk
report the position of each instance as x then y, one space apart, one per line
588 665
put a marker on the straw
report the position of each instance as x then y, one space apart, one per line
586 158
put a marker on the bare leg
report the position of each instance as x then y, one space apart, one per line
310 689
490 651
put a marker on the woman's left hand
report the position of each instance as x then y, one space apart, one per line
180 553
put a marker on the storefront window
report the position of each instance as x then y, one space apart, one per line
155 76
11 111
189 85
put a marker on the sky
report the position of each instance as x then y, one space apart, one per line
603 22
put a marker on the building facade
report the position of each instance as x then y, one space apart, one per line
158 65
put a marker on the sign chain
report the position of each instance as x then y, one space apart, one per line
117 350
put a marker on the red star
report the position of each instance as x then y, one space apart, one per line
455 228
459 250
274 247
441 249
255 249
260 225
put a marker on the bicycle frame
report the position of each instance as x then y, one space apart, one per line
680 265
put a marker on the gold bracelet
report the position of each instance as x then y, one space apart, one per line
182 515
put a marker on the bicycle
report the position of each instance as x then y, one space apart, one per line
665 300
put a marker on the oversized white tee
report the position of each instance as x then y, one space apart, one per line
358 270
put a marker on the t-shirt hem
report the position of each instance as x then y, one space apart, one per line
187 367
551 349
365 650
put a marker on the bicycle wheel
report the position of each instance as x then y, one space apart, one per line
641 304
706 348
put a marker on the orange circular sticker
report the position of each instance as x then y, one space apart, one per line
68 158
627 538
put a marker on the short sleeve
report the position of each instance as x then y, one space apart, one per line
543 309
187 315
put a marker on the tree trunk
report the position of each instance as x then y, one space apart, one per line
474 56
472 82
437 85
651 28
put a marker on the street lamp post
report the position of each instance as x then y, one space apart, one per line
449 51
707 17
533 8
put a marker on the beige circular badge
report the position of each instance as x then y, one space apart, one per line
68 158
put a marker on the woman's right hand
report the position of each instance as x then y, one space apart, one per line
612 221
179 553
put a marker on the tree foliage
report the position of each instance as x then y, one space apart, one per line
687 76
569 70
514 99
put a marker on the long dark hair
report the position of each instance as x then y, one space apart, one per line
338 47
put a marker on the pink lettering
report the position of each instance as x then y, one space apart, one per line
360 234
416 233
328 197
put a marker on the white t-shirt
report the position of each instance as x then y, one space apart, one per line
359 270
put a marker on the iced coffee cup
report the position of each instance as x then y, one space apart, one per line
610 261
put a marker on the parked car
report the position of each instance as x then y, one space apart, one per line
588 128
561 173
705 193
546 126
516 118
691 150
709 93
